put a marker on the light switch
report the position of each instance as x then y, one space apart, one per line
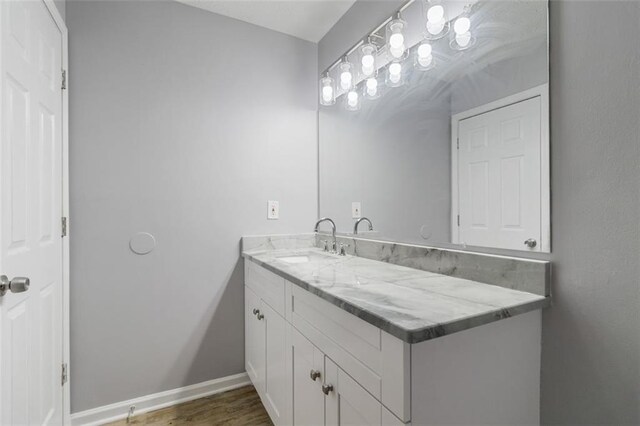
273 212
356 210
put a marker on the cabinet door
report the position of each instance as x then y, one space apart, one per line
254 343
277 379
308 399
347 403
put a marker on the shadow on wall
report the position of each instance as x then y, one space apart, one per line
224 314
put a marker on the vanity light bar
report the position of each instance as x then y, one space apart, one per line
372 34
397 51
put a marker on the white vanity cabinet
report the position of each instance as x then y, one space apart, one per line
325 395
313 363
266 343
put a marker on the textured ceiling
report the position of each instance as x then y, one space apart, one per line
306 19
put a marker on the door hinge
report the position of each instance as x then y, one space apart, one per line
64 79
64 374
458 220
64 226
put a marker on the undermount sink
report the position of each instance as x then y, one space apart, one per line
294 259
300 258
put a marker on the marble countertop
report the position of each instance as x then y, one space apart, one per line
411 304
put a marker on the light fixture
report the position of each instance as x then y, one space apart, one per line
367 53
437 24
327 90
395 38
346 74
371 88
423 59
395 74
352 100
462 37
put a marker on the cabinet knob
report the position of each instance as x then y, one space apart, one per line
531 243
326 389
256 311
260 316
314 374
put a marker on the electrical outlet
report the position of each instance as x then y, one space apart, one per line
273 212
356 210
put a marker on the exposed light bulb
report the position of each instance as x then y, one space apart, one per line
424 50
352 99
462 25
435 13
463 39
396 52
435 28
345 80
425 61
395 72
367 61
366 71
327 93
372 87
396 41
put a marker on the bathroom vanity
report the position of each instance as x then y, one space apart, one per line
349 340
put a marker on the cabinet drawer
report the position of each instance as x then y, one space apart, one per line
357 337
269 286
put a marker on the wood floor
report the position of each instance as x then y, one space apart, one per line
240 406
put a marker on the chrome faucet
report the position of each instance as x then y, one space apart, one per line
333 233
355 227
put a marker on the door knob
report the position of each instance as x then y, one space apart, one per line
531 243
314 374
326 389
16 285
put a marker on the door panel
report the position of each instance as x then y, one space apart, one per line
349 404
30 214
277 385
499 177
308 399
254 341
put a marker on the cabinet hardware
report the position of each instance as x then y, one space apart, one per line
531 243
256 311
314 374
326 389
259 316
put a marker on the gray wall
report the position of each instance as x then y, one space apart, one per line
183 124
61 5
591 336
591 342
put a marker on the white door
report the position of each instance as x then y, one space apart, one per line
277 380
254 334
308 376
499 177
30 214
347 403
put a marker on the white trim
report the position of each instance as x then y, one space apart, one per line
66 346
541 91
156 401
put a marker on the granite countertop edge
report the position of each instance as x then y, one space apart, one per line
410 336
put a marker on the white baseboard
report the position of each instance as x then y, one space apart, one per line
156 401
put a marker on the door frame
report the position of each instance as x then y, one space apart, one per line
66 346
541 91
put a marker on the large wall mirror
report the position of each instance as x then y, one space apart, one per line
449 146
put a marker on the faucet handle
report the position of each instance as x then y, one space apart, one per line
343 249
326 245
